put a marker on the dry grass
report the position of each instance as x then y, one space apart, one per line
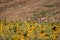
24 9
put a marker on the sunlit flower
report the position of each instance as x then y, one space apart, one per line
21 37
15 37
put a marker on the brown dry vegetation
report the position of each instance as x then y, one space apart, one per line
25 9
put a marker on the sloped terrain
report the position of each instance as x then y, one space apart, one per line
24 9
29 19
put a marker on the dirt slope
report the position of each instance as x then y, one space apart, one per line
24 9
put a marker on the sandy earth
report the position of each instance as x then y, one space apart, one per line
24 9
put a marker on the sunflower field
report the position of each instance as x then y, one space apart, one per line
29 30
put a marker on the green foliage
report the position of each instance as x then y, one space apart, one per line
48 5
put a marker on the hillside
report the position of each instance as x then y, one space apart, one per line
25 9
